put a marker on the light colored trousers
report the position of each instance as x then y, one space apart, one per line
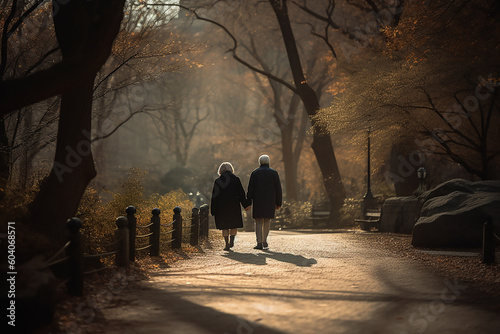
262 227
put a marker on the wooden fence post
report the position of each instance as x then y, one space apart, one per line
132 226
204 221
488 250
75 254
195 227
177 229
122 235
154 239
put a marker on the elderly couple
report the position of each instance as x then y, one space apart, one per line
264 190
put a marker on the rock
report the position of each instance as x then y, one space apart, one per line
453 213
399 214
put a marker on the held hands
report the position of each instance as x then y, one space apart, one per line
278 207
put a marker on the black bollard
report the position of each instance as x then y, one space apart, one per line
122 235
132 226
204 220
195 227
75 254
177 229
154 239
488 251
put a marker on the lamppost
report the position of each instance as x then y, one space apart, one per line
368 195
369 202
421 174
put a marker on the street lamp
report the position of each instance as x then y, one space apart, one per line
368 195
422 173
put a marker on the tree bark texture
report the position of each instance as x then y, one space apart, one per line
288 162
322 145
4 159
85 32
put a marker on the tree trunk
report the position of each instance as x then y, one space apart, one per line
289 163
85 32
4 159
322 145
73 165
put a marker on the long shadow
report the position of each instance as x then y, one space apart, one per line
298 260
318 231
166 312
295 294
249 258
162 311
260 259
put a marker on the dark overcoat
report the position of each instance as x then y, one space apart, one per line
227 195
264 190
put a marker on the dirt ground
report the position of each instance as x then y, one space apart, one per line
308 282
445 261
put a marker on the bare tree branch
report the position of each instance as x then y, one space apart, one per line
476 130
490 112
451 126
235 46
5 37
118 126
21 19
114 71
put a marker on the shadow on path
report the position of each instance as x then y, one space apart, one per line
260 259
159 311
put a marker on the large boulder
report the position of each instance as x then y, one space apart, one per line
399 214
453 213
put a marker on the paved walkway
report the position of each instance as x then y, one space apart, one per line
305 283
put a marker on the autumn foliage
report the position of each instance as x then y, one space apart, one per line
99 216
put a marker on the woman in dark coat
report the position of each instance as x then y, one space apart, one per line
227 195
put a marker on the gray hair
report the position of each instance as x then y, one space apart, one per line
264 159
225 167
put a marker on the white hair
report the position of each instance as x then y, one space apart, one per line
225 167
264 159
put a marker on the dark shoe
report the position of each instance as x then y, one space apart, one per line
231 243
259 246
265 245
227 248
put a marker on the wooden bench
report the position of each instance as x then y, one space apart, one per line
281 220
371 218
278 222
319 213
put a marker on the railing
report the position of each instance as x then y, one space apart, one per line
175 230
490 241
125 242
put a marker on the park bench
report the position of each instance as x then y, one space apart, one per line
281 220
320 213
371 218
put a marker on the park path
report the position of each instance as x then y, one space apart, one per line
306 283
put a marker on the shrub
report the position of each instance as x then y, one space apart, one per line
295 213
99 217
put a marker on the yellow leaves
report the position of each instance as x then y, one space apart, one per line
99 217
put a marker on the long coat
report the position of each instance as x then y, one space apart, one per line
264 189
227 195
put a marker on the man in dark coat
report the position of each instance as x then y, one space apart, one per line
227 195
264 189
